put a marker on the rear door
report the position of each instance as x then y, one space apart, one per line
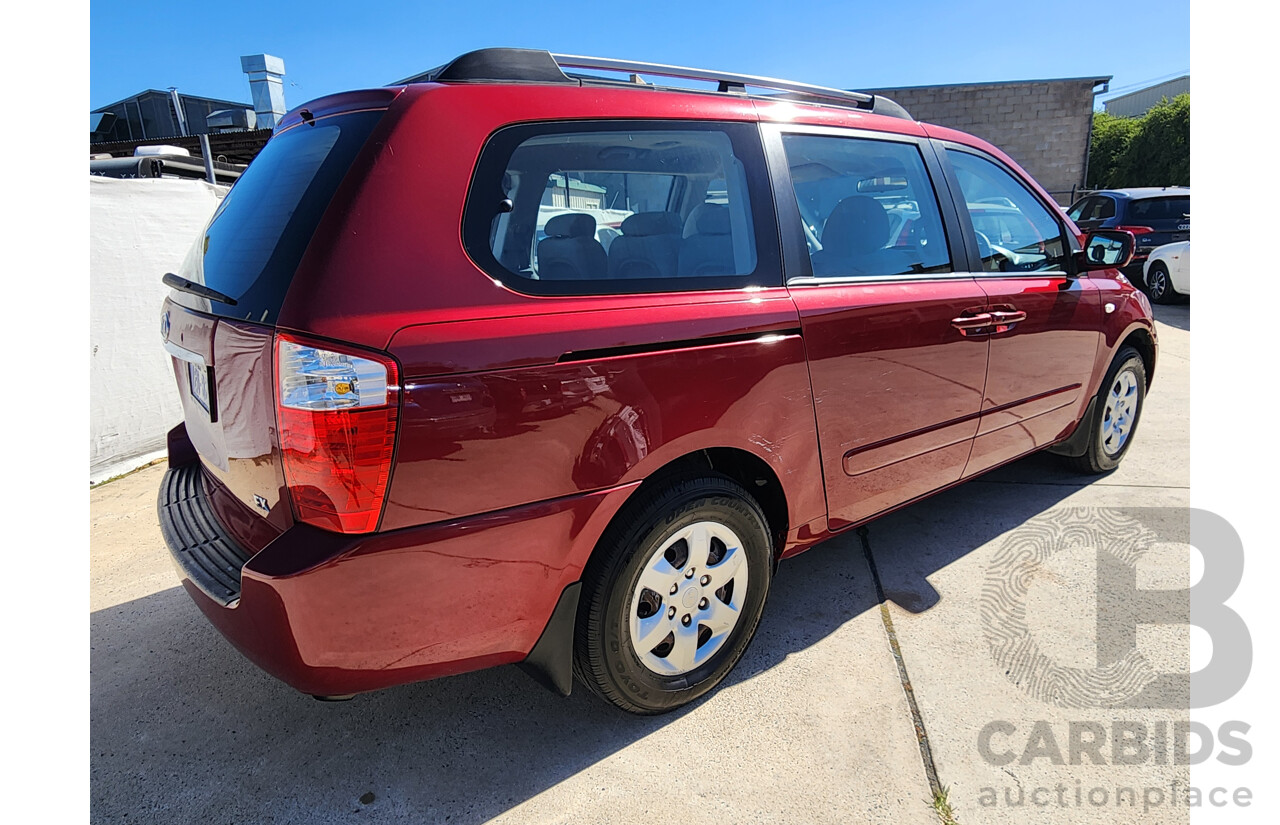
220 328
1047 321
889 323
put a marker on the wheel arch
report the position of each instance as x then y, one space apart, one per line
1144 342
551 660
749 470
596 633
1141 339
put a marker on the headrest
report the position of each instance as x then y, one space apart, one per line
652 223
573 225
714 220
858 225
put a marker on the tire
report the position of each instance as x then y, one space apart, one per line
1159 286
655 545
1116 414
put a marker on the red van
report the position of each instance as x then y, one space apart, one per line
530 360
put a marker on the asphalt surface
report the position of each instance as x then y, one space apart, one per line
874 674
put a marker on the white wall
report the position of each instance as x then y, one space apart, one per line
138 230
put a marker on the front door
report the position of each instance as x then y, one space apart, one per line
1048 321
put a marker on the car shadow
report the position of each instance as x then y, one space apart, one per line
911 544
183 728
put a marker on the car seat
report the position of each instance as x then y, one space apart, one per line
570 252
647 248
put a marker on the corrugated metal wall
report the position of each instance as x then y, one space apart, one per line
1136 104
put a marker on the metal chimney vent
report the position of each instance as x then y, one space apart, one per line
266 83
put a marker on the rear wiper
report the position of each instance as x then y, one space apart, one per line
194 288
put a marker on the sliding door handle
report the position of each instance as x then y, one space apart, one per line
979 324
1006 319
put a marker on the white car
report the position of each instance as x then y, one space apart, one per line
1167 272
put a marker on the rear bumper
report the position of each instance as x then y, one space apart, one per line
331 614
206 554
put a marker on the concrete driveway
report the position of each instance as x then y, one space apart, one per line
872 681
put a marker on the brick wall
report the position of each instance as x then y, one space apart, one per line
1041 124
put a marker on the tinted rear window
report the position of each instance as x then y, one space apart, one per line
253 243
1160 209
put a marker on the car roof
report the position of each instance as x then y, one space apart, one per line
1139 192
540 76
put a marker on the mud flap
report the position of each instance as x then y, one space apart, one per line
550 662
1077 444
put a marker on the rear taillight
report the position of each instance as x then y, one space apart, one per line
1137 230
337 411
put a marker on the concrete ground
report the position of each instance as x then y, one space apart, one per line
869 684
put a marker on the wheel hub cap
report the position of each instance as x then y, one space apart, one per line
688 599
1120 412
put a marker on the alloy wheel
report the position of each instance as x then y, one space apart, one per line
1158 283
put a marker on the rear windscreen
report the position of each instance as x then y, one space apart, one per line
1155 210
253 243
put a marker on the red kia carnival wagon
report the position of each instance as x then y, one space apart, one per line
530 360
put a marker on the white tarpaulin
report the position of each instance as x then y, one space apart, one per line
138 231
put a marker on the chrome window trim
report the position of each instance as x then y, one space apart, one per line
850 280
1022 276
782 127
843 280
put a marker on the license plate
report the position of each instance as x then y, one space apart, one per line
458 399
198 378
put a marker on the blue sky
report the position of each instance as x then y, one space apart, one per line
329 47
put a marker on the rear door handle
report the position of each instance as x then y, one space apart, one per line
979 324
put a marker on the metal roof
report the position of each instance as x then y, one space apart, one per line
228 103
1139 192
1172 82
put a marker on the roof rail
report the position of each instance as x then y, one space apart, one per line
535 65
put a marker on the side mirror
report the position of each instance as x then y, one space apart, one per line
1107 249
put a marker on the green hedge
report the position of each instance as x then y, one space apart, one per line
1152 150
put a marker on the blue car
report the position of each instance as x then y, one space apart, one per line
1155 215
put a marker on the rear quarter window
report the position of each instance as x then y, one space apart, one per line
612 207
